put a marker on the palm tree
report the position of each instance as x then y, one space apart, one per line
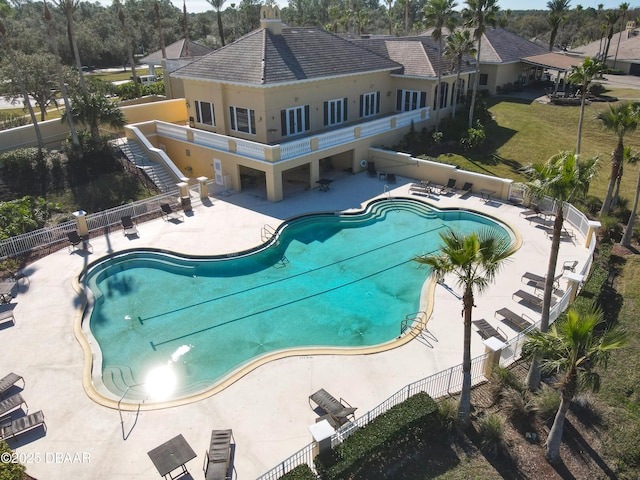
439 14
611 18
156 8
572 349
67 7
633 158
389 3
459 44
556 17
127 41
21 85
564 178
63 89
185 19
474 259
620 120
478 14
217 5
583 74
623 8
94 110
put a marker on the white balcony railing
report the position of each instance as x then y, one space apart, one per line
294 148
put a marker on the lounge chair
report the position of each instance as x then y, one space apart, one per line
169 213
128 226
423 188
449 187
10 428
531 299
513 319
466 188
9 381
12 403
534 211
218 460
6 313
486 330
539 281
371 169
337 412
570 265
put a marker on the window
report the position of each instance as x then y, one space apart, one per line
441 93
335 112
204 113
243 120
458 92
369 104
484 79
295 120
407 100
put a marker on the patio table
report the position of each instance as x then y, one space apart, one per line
171 455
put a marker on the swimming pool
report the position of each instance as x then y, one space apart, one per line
324 280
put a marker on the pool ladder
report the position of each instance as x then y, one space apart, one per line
409 323
267 233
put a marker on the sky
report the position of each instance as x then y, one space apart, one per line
197 6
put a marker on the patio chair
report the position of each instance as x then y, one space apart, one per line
10 428
76 241
449 187
538 280
338 412
169 213
466 188
12 403
513 319
128 227
218 460
534 211
422 188
6 313
531 299
9 381
570 265
486 330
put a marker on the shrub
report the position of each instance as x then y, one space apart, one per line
491 430
596 89
474 139
448 413
12 120
546 402
593 205
301 472
611 229
9 470
516 404
501 379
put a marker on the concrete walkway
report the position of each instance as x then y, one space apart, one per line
268 408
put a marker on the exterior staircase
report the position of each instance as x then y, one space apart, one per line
159 175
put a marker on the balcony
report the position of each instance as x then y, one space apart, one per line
295 148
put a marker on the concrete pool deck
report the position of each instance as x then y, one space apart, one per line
268 408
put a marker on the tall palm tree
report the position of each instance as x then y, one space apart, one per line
620 120
21 85
478 14
474 259
185 19
67 7
557 15
633 158
217 5
583 74
565 179
623 9
127 41
156 8
63 89
459 45
389 4
439 14
573 349
611 18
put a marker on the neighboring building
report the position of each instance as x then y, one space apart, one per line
628 55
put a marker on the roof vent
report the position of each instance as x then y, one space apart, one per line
270 19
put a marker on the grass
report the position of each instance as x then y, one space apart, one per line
122 75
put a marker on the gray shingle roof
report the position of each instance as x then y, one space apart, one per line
299 54
501 46
177 50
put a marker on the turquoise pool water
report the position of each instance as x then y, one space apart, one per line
326 280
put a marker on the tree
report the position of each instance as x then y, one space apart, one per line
217 5
474 259
439 14
573 349
633 158
478 14
623 9
127 41
94 110
67 7
620 120
459 44
61 81
583 74
389 4
156 8
565 179
557 15
21 86
611 18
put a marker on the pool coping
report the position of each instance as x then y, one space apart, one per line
426 299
